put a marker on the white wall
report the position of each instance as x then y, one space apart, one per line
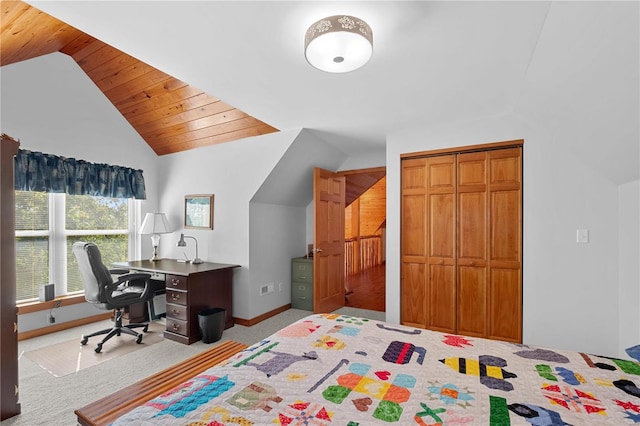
61 111
371 158
570 290
277 234
233 172
278 219
629 263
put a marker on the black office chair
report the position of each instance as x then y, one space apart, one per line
105 293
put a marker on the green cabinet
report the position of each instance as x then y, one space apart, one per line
302 283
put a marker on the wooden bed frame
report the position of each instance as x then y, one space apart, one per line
107 409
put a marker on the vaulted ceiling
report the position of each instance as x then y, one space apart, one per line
169 114
567 69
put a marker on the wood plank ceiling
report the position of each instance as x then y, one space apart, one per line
357 182
169 114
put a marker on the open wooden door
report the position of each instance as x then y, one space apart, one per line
328 241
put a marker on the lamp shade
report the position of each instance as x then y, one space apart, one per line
154 223
338 44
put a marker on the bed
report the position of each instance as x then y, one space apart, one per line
330 369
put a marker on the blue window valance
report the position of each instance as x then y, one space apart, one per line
36 171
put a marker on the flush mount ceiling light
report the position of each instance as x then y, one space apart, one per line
339 43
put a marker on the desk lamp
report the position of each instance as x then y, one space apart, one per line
183 243
154 224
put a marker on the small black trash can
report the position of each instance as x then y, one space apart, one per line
211 323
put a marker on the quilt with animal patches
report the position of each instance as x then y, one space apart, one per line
330 369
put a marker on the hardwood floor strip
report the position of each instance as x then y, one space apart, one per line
107 409
367 289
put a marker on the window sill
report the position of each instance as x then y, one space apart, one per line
29 307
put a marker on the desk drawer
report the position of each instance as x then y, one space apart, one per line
176 281
177 297
176 312
177 326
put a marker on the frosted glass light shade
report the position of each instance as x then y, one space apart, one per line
338 44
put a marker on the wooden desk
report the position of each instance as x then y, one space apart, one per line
189 289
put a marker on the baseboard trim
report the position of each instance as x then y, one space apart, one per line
63 326
27 308
95 318
260 318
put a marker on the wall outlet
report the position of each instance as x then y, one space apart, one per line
279 286
52 318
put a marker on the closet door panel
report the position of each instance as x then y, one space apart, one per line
441 173
505 188
413 244
414 209
472 223
441 219
414 174
472 243
472 170
505 226
413 289
505 257
442 227
472 301
505 305
414 228
442 297
472 211
505 168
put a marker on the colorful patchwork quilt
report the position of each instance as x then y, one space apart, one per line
330 369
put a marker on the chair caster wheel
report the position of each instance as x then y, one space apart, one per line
139 339
84 340
146 327
98 348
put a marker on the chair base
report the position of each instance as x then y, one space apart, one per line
116 330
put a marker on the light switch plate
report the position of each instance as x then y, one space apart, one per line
582 236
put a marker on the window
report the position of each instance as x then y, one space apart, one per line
32 243
47 225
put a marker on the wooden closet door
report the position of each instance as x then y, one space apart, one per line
472 244
428 243
413 247
505 245
441 239
461 241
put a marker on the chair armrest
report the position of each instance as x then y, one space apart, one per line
118 271
132 276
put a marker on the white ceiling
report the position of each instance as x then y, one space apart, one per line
571 64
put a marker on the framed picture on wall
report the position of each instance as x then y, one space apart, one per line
198 211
